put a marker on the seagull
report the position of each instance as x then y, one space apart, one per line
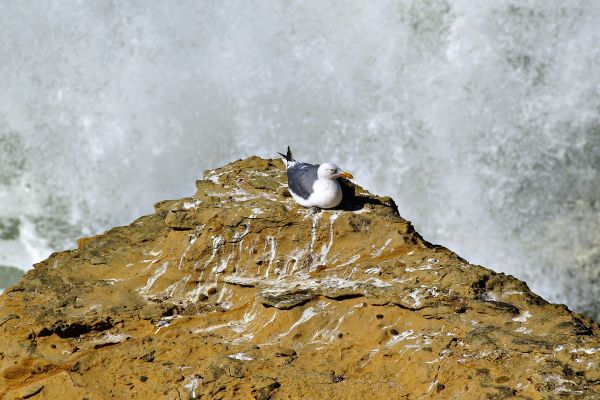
314 185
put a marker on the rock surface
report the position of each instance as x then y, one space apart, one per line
237 292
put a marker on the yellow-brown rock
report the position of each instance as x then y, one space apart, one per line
239 293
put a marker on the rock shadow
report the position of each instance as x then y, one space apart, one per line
356 202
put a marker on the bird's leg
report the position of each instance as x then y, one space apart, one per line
314 210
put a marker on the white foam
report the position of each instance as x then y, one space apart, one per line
397 95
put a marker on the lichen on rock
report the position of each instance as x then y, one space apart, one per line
238 292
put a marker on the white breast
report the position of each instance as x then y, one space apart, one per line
326 193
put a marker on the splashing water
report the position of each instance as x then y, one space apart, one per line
482 122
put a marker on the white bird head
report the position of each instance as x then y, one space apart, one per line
332 171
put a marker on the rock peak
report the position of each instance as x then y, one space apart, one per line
238 292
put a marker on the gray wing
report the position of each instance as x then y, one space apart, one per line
301 177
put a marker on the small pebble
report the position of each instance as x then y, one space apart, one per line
211 291
286 353
379 316
149 357
76 367
336 378
340 335
393 331
143 378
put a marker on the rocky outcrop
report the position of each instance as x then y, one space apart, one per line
237 292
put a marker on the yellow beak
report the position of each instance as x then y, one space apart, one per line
346 175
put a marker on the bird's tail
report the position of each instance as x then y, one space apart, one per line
287 157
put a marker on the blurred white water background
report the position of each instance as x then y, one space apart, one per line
480 118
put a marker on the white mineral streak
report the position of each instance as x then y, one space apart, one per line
326 248
377 252
415 296
188 205
210 328
194 295
240 357
306 315
305 282
176 287
376 282
240 195
368 358
429 265
250 315
213 176
238 265
225 294
272 252
523 330
157 273
165 322
191 240
192 385
221 266
112 281
217 241
586 351
149 266
295 256
350 261
313 232
238 327
241 235
443 354
523 317
330 334
512 292
110 338
400 337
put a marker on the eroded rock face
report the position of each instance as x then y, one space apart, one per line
237 292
